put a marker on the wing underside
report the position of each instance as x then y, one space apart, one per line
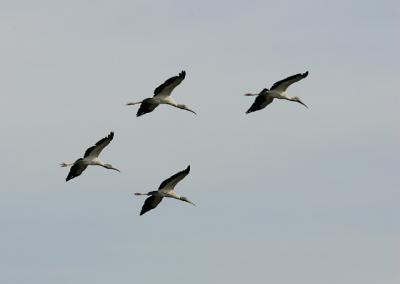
282 85
146 106
150 203
94 151
260 102
76 170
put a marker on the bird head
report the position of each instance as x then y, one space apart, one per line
297 99
186 108
183 198
108 166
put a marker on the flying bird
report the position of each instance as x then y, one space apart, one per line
277 91
91 157
166 189
162 95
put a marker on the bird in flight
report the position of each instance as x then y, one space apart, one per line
162 95
166 189
91 157
277 91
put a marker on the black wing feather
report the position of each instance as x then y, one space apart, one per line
296 78
76 169
178 176
260 102
101 141
169 81
145 107
150 203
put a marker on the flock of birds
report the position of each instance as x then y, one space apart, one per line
162 95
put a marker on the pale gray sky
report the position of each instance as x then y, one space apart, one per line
284 195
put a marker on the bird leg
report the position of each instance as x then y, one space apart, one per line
133 103
155 192
64 164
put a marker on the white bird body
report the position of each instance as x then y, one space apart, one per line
161 193
166 100
86 162
278 95
93 162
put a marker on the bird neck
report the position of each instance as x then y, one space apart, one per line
169 101
169 194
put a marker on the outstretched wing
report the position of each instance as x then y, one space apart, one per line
282 85
171 182
95 150
77 168
261 101
146 106
166 88
150 203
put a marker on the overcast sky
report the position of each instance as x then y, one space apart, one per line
284 195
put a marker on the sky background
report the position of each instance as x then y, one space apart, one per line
284 195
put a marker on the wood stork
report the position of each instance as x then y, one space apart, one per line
166 189
162 95
91 157
278 91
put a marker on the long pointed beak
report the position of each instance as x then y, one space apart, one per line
300 102
192 111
